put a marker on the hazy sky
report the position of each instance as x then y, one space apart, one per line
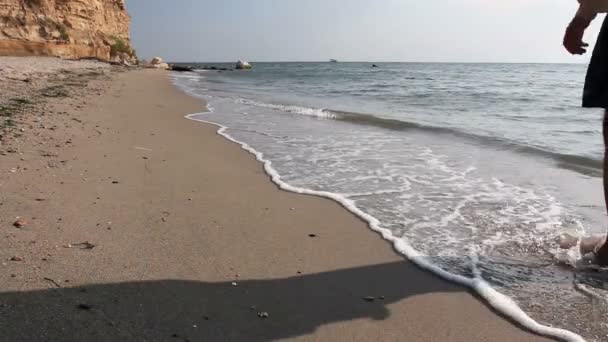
354 30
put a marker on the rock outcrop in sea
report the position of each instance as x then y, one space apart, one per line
66 28
158 63
242 65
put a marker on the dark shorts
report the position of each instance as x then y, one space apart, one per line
595 94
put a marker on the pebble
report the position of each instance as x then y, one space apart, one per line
20 223
16 258
85 307
235 284
312 235
369 299
263 315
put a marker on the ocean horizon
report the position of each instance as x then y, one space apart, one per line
228 62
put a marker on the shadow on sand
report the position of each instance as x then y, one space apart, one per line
169 310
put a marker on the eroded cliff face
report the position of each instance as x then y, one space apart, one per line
65 28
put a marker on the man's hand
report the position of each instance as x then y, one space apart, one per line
573 39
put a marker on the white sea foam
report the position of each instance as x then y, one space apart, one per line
316 112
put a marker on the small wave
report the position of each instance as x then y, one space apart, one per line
582 164
585 165
319 113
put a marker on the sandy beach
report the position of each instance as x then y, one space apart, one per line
136 224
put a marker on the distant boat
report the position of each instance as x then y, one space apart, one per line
333 61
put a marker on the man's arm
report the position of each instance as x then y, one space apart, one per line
587 11
573 39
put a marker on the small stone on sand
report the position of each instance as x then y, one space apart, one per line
85 307
20 223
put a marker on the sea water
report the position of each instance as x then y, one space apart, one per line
473 171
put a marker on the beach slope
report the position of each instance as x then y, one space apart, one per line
153 227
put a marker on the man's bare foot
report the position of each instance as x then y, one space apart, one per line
601 255
567 241
588 244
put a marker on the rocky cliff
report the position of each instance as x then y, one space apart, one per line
65 28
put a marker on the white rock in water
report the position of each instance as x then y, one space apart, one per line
161 66
156 60
243 65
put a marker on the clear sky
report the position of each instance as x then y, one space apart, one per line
354 30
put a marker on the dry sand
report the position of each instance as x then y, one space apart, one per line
145 226
19 75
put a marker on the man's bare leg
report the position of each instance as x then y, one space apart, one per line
602 253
